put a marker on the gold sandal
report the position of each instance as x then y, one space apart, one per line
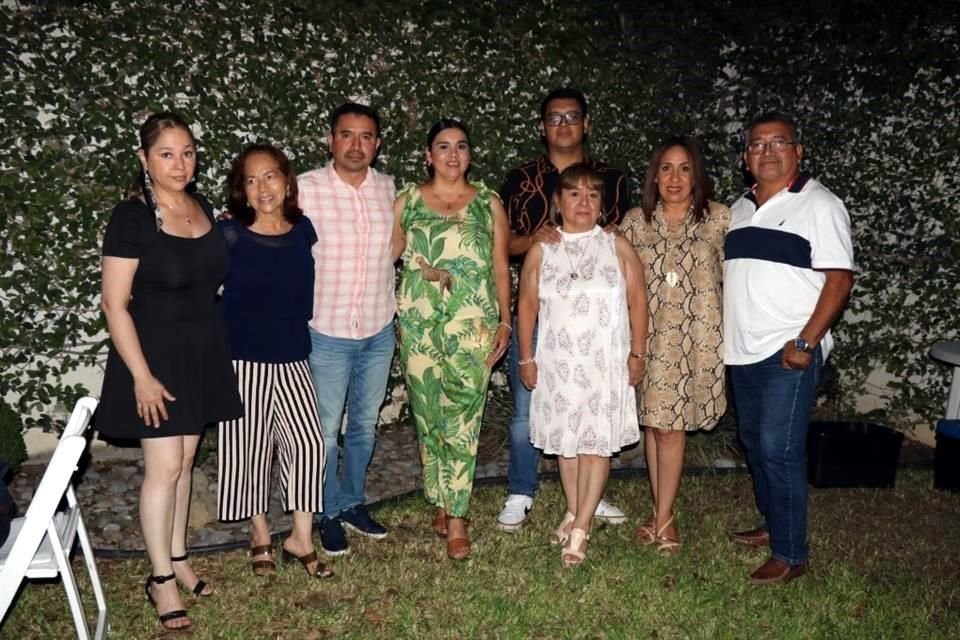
646 533
667 546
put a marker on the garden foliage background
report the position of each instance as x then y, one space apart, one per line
874 85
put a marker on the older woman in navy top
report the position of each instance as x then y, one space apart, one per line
267 301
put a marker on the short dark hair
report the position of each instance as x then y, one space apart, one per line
237 203
702 185
563 93
570 178
356 109
440 125
768 117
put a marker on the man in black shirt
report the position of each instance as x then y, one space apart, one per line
526 194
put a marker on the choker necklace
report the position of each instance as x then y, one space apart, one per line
575 270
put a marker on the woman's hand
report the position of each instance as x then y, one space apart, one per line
636 367
150 394
528 375
501 341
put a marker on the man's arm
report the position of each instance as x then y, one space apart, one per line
830 304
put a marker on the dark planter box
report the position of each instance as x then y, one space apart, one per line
946 466
852 454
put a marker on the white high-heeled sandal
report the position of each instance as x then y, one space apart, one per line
571 555
561 534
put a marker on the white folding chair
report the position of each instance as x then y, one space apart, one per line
40 542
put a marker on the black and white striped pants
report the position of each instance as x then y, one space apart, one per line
280 411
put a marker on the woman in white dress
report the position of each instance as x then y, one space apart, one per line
588 294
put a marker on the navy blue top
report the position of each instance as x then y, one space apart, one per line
268 293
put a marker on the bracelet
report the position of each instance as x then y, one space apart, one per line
507 325
527 361
638 356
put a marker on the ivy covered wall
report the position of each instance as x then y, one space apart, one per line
874 85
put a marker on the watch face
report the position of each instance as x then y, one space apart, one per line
801 344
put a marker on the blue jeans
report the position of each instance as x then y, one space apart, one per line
773 410
355 373
524 457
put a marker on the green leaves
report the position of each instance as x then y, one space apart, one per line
875 91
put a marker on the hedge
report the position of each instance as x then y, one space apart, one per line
874 85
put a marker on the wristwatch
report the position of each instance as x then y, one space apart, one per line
801 344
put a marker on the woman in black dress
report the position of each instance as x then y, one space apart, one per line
168 370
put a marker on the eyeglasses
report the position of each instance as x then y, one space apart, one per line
570 117
777 146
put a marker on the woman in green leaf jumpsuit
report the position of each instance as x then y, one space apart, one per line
454 318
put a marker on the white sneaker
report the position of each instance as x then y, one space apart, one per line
609 513
514 512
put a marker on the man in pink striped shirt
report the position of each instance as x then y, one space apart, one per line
351 207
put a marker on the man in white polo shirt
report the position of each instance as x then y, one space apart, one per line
788 273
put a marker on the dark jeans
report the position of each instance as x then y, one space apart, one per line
773 409
524 457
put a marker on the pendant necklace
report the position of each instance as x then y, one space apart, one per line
574 270
186 216
672 277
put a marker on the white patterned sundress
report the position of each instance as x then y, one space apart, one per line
583 403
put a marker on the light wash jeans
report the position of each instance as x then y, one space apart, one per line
773 411
355 373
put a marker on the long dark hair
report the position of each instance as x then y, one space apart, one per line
440 125
150 130
702 186
237 203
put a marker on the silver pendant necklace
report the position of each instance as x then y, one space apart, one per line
574 270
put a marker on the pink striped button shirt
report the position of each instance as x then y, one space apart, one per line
354 287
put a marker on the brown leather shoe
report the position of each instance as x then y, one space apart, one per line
758 537
774 570
458 548
440 523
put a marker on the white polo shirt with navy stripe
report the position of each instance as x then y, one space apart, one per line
772 258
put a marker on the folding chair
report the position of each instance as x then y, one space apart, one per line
40 542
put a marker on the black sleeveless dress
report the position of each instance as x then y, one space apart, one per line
173 306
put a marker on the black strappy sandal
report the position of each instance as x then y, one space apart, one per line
198 588
164 618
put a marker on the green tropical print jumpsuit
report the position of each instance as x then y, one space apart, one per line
448 316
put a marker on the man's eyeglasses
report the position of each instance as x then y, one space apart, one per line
570 117
777 146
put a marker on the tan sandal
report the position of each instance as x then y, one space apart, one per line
561 534
667 546
646 533
571 555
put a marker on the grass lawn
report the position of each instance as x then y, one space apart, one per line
886 564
